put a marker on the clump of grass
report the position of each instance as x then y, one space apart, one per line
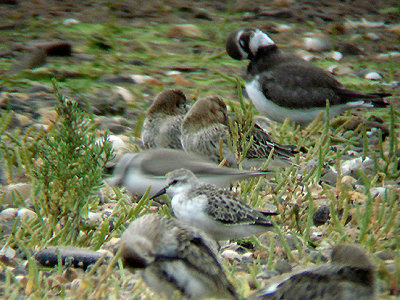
70 168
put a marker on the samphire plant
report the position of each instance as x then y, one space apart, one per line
70 160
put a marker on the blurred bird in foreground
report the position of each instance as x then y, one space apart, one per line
175 258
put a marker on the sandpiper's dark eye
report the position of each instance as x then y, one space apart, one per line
174 181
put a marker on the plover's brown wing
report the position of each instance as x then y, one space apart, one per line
307 86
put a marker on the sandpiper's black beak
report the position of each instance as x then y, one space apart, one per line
159 193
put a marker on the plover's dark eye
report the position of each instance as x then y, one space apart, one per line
174 182
242 43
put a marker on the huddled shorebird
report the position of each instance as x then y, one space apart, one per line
205 129
138 171
217 212
175 258
350 275
162 124
282 85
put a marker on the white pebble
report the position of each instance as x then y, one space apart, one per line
8 213
373 76
372 36
230 255
317 44
68 22
336 55
25 214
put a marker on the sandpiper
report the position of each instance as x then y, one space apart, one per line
162 125
282 85
216 211
138 171
205 129
176 258
350 275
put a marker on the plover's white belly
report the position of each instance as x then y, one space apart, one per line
280 113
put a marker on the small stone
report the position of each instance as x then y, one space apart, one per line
378 192
94 218
395 29
70 21
386 254
180 80
373 76
349 48
321 215
348 180
231 256
282 266
185 30
283 28
388 56
341 70
26 214
144 79
317 44
8 214
24 121
125 94
372 36
335 55
19 190
267 275
47 115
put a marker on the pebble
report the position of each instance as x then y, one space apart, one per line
267 275
145 79
283 28
8 214
388 56
335 55
341 70
373 76
372 36
231 256
125 94
321 215
378 191
317 44
185 30
282 266
386 254
70 21
26 214
18 190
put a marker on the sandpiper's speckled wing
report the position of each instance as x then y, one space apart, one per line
326 282
198 252
224 207
263 145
